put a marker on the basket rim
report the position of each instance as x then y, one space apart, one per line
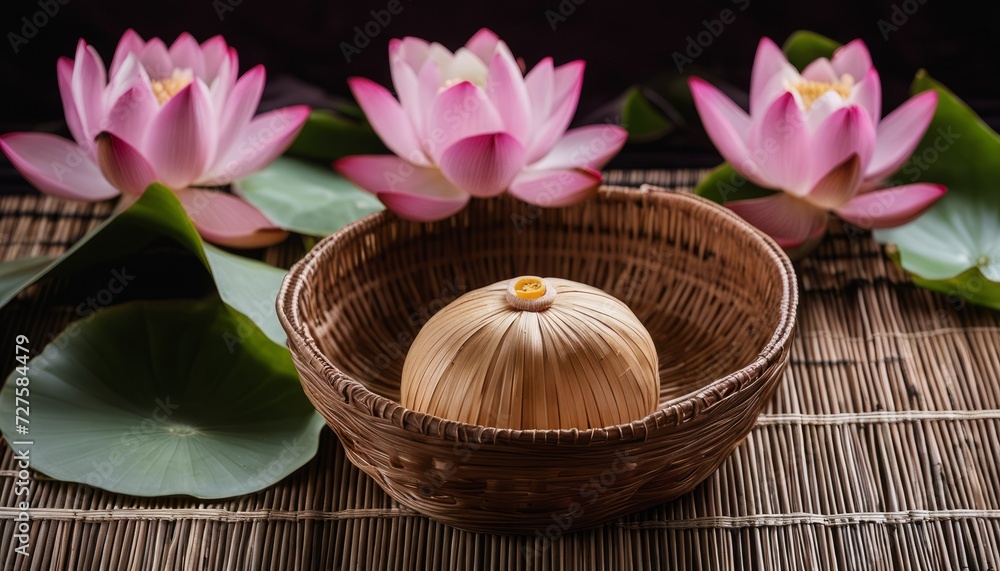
679 409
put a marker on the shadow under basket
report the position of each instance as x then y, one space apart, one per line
717 297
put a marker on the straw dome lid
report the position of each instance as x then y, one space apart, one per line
533 353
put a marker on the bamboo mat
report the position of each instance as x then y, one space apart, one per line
881 450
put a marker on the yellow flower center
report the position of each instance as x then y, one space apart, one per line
529 287
810 91
167 87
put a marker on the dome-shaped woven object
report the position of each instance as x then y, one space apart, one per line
533 353
717 297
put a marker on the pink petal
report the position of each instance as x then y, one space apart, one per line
900 133
821 109
768 61
567 82
64 73
88 82
388 119
131 42
404 79
385 173
441 56
228 220
483 43
214 51
868 94
458 112
726 124
821 70
130 74
591 146
791 221
852 59
56 166
556 188
266 137
847 131
506 89
185 53
483 165
410 50
131 115
156 59
838 186
891 207
465 65
428 86
233 61
414 192
181 141
779 147
421 207
770 70
240 107
123 165
225 79
541 91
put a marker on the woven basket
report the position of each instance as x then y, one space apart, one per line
718 298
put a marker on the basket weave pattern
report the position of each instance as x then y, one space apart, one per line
717 297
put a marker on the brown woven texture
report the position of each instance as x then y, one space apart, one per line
879 450
717 298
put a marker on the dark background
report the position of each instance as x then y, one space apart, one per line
624 42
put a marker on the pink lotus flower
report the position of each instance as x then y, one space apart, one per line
469 124
819 137
174 115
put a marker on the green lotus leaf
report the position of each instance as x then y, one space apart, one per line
955 246
803 46
642 120
246 285
724 184
306 198
163 398
18 274
329 135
